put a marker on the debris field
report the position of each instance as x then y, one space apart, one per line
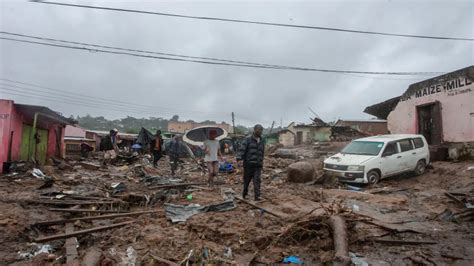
130 213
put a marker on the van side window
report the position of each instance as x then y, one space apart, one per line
390 149
405 145
418 143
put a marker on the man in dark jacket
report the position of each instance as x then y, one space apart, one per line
156 146
251 152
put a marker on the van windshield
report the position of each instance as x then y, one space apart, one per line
363 148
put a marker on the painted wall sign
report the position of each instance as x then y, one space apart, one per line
451 87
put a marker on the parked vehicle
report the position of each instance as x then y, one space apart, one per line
367 160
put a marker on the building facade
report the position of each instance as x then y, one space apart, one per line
370 127
30 133
441 109
183 127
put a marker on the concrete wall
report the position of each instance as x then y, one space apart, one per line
287 139
456 97
72 131
12 120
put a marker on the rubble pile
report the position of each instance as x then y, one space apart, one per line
81 212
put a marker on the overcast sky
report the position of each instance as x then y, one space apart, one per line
198 91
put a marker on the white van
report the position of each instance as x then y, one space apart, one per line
368 160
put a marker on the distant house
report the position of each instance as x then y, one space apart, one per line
30 133
309 133
440 108
370 127
126 139
183 127
73 138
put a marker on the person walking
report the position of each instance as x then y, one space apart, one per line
211 150
175 151
109 145
251 152
156 147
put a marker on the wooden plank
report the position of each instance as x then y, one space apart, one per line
71 246
163 260
80 232
90 218
180 185
69 202
258 207
84 210
404 242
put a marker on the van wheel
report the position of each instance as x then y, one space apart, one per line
420 168
373 177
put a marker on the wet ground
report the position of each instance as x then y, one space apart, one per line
405 208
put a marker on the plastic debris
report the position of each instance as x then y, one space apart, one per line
293 260
357 261
355 208
180 213
40 175
39 250
118 187
189 197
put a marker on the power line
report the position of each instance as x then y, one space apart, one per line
50 98
100 100
258 22
222 63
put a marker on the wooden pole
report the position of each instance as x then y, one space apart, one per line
84 210
81 232
100 217
339 232
177 185
258 207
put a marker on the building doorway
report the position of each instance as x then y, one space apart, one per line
430 123
299 137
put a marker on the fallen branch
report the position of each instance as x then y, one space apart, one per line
163 260
180 185
339 229
84 210
404 242
99 217
258 207
81 232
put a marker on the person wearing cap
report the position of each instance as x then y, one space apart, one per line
212 151
109 145
156 147
251 152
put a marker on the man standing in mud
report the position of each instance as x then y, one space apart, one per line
156 147
251 152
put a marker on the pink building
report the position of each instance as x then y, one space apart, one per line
30 133
441 109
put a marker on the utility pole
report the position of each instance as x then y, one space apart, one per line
273 124
233 123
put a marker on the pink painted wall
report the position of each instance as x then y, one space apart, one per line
12 120
72 131
457 110
5 114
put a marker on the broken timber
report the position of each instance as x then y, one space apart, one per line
71 246
339 231
404 242
84 210
177 185
258 207
81 232
99 217
72 202
163 260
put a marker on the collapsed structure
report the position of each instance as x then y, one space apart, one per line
30 133
441 109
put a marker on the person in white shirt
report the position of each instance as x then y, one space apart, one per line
212 151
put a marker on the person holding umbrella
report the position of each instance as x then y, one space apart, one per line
211 149
156 147
251 152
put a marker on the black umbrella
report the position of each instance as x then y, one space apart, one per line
197 136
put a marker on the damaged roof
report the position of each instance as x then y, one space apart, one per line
31 110
383 109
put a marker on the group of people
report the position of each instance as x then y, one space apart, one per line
250 155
